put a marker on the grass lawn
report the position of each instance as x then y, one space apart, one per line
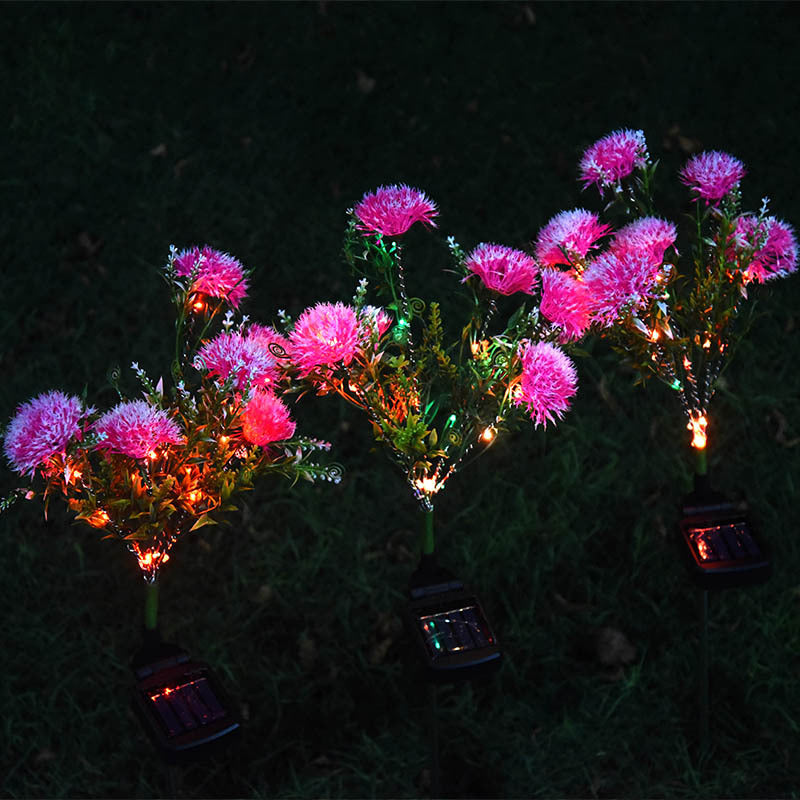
253 127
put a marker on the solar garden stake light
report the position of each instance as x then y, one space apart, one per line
672 317
433 404
150 471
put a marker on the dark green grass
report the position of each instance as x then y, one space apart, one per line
268 139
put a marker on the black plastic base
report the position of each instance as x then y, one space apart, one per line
451 636
181 703
722 547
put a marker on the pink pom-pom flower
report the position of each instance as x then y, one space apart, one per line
392 210
777 254
621 282
548 381
325 335
244 357
574 232
219 274
135 428
503 269
42 428
266 419
649 235
613 158
712 174
565 302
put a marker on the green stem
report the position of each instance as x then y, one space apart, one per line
426 539
151 605
701 462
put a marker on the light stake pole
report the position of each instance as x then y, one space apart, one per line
703 676
151 605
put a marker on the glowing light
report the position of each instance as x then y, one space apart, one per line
152 455
223 440
707 344
703 549
697 425
686 363
654 335
353 387
427 485
488 434
194 496
198 305
98 519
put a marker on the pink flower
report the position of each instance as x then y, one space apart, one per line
324 335
266 419
573 231
41 428
135 428
547 383
377 319
392 210
219 274
503 269
565 302
777 255
276 345
613 158
712 174
621 282
244 357
649 235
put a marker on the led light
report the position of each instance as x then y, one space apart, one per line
488 434
427 485
697 425
223 440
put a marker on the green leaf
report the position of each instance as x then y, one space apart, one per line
202 522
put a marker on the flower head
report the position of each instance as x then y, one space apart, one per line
619 282
245 357
565 302
573 231
41 428
503 269
274 344
712 174
774 244
613 158
135 428
547 383
392 210
649 235
377 319
219 274
324 335
266 419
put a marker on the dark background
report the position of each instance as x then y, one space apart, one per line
253 127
